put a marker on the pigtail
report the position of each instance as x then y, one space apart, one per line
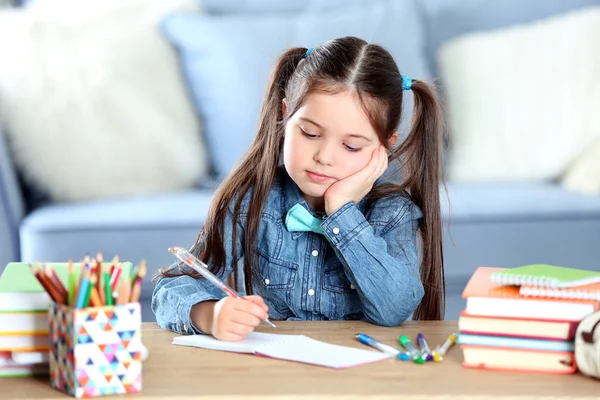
256 170
421 153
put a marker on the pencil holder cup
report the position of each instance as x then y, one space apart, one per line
95 351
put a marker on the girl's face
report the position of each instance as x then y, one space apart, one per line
328 139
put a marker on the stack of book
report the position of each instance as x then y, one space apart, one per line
24 341
524 319
24 326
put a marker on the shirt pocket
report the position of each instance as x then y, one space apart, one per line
335 280
273 281
274 273
340 299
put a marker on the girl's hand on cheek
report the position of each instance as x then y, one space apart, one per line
356 186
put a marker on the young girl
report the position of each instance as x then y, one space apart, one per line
322 237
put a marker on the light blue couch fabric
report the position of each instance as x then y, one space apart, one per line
12 206
227 60
132 228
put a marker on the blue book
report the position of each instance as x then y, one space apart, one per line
518 343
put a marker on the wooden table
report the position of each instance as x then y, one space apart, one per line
178 372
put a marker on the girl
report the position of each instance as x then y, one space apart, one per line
321 237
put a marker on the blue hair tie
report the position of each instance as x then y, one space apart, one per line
406 82
308 51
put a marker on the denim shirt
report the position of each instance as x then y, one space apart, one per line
365 266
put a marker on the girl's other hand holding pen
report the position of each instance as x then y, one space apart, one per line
230 319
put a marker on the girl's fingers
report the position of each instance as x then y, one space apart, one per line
258 301
232 337
239 329
245 319
381 159
248 306
384 164
373 164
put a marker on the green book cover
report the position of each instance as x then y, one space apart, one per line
546 276
21 291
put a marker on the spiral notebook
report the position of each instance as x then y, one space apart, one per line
545 275
297 348
585 292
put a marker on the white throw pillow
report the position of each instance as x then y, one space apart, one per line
583 175
93 100
523 101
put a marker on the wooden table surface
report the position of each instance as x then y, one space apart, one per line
178 372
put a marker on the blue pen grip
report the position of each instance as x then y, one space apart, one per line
364 339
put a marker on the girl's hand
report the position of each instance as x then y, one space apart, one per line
233 319
356 186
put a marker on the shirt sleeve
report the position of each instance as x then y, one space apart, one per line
382 263
173 297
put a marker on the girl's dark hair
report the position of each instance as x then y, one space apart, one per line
346 63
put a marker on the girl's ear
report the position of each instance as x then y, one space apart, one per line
393 139
283 107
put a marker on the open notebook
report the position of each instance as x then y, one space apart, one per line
297 348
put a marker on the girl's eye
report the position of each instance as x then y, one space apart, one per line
353 149
308 135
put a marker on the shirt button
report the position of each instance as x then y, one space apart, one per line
336 230
267 281
315 253
311 292
352 286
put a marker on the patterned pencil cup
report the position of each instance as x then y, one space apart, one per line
95 351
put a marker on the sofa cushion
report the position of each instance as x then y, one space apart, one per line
445 19
133 228
511 118
117 99
227 59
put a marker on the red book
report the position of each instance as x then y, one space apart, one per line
486 298
520 360
517 327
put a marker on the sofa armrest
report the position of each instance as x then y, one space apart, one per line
12 206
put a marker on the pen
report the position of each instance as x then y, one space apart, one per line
202 269
424 347
440 351
414 353
369 341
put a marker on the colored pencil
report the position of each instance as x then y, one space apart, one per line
39 276
124 292
137 287
71 282
94 296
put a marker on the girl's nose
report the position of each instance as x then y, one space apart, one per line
324 155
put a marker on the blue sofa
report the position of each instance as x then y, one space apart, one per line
492 224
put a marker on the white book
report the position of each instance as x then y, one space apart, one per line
13 323
24 342
297 348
